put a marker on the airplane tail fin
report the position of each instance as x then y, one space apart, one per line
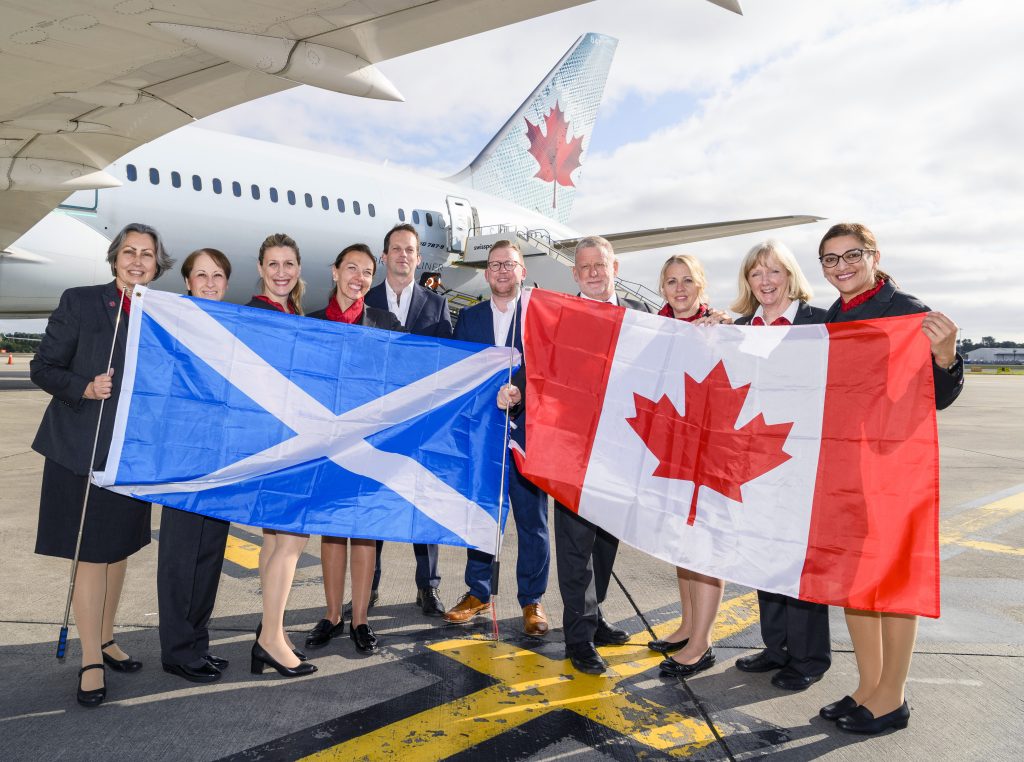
535 158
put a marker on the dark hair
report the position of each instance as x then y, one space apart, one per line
356 247
218 256
424 277
404 227
163 261
862 234
286 241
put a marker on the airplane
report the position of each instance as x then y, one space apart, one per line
206 189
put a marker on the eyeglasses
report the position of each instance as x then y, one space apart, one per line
853 256
508 265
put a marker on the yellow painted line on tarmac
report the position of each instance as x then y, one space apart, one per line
243 553
530 685
956 529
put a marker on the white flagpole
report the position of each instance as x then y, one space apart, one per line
62 640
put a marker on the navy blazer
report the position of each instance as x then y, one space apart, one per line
74 350
805 315
891 302
428 312
476 323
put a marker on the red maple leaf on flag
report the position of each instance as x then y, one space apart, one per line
556 155
704 446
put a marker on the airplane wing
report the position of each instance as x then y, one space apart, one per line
85 83
639 240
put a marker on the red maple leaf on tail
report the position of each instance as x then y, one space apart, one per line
704 446
556 156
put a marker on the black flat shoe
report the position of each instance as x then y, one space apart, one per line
607 635
121 665
298 654
585 658
262 659
672 667
91 699
364 638
429 601
790 680
207 673
667 646
860 720
759 662
837 709
218 662
322 633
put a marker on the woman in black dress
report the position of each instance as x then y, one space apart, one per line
883 643
353 273
71 365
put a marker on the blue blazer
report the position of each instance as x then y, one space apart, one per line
477 324
428 312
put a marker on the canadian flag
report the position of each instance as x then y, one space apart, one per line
801 460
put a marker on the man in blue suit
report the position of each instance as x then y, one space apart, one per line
423 313
497 321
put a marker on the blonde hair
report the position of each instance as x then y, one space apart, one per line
696 272
799 289
287 242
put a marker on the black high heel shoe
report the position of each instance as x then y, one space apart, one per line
91 699
121 665
363 637
298 654
262 659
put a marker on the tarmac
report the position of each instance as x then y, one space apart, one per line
438 691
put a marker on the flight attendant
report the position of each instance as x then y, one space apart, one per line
191 549
883 643
353 272
683 284
71 365
280 270
774 291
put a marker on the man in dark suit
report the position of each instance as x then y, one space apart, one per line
585 553
498 321
423 313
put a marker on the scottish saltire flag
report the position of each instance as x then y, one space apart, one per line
308 426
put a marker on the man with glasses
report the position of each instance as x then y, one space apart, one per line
497 321
584 553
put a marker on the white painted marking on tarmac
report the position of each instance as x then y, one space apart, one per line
30 715
945 681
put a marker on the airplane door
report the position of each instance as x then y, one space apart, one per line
460 214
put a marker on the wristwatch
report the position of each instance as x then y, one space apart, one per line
955 366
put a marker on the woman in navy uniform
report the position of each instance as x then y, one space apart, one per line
71 365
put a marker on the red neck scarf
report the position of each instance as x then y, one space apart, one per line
780 320
702 311
350 315
291 307
126 303
859 299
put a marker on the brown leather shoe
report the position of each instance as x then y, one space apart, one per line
535 621
467 608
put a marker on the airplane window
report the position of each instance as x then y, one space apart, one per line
309 200
197 182
133 174
291 197
341 206
273 194
355 207
430 220
175 179
255 192
216 185
236 188
370 210
325 203
401 215
415 217
154 175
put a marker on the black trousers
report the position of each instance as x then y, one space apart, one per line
584 556
189 562
795 633
427 574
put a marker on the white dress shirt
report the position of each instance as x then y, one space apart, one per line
398 303
789 314
502 321
613 300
